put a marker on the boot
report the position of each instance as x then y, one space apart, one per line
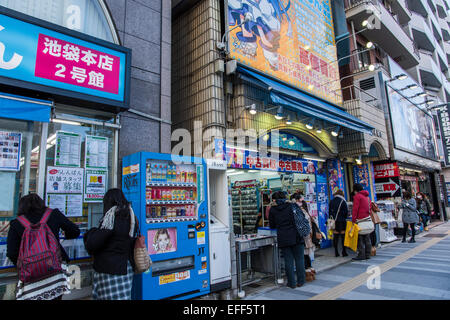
336 244
309 276
412 240
344 251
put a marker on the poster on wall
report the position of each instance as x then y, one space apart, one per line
413 128
96 152
361 176
64 190
67 149
95 185
10 147
290 40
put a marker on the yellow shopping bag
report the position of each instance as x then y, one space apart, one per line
351 235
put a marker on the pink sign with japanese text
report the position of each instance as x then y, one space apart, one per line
70 63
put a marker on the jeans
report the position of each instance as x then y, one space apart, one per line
291 254
307 262
377 233
375 236
364 246
424 219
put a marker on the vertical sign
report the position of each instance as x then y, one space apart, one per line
67 149
10 145
444 122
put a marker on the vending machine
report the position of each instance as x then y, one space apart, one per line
170 200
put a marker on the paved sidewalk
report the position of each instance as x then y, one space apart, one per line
401 264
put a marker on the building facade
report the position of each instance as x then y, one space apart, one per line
93 118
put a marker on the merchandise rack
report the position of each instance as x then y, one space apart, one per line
388 222
245 207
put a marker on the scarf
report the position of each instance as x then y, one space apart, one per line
107 221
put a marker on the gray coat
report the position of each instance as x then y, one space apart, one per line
409 211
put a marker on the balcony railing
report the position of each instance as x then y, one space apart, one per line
355 93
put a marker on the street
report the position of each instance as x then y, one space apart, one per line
399 271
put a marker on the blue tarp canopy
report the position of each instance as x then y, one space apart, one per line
22 108
296 100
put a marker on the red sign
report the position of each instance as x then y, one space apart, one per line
386 170
73 64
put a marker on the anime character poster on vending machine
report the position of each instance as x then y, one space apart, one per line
162 240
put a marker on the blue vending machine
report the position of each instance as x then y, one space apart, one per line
170 201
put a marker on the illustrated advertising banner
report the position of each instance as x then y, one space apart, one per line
290 40
413 129
387 179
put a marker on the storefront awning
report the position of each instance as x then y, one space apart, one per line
305 104
22 108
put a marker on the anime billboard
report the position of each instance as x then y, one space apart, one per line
291 40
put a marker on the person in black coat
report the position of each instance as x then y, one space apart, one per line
281 217
112 246
339 211
33 208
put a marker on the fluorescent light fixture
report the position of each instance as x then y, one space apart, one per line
423 94
313 158
73 123
430 102
253 171
402 77
231 170
413 86
235 173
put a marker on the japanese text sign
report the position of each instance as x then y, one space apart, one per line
386 170
63 62
65 180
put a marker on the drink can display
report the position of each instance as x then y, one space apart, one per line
183 212
163 212
158 194
149 194
191 194
153 213
158 212
153 191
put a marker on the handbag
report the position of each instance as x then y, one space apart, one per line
365 225
373 213
301 223
331 222
142 259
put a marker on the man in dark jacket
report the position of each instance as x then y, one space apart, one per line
281 217
361 210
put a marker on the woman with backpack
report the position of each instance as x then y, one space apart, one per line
25 242
112 246
281 217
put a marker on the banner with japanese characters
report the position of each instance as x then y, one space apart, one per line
64 190
63 62
290 40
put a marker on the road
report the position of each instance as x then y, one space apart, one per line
399 271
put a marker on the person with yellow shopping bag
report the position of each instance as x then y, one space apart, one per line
351 236
361 216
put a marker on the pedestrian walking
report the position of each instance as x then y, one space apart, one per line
360 214
112 246
281 217
424 208
338 212
35 232
310 246
409 216
375 235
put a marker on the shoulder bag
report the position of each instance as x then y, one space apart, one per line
141 257
331 222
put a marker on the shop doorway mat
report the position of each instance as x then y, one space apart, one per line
435 235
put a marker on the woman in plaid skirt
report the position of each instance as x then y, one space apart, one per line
112 245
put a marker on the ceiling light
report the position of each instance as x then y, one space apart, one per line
402 76
369 44
288 120
279 114
309 126
413 86
335 132
319 130
423 94
73 123
371 67
365 23
252 109
430 102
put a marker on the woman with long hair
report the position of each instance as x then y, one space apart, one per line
112 246
409 216
32 209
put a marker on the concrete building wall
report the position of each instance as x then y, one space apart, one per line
144 26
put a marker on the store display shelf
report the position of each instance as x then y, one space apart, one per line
167 202
170 219
171 184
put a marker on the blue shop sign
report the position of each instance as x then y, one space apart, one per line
48 58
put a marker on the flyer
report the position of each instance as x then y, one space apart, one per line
65 180
96 152
10 147
71 205
95 186
68 149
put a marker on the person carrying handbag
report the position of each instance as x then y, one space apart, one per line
112 247
361 216
410 216
337 221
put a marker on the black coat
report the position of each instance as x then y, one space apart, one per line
334 206
281 217
111 249
56 221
